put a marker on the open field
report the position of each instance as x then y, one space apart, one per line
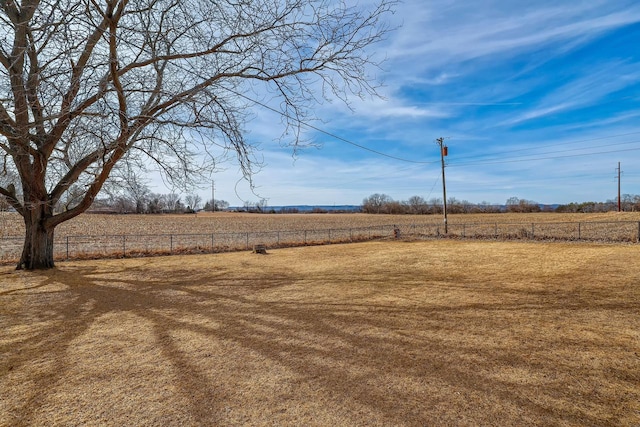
222 222
382 333
119 236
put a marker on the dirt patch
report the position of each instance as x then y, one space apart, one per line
384 333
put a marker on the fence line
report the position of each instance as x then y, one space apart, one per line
86 246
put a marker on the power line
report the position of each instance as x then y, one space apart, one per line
490 162
502 152
326 132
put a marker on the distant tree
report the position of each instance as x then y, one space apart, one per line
375 203
138 192
173 202
122 204
417 205
261 205
513 204
193 201
436 206
157 203
215 205
220 205
248 206
394 208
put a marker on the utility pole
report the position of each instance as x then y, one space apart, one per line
443 152
619 201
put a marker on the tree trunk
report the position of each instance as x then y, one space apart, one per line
37 253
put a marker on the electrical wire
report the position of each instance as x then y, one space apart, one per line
539 158
502 152
332 135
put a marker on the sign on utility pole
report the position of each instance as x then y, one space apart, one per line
444 151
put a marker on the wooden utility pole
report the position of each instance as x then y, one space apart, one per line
443 153
619 201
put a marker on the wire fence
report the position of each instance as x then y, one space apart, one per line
110 246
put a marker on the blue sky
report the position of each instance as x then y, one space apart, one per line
539 100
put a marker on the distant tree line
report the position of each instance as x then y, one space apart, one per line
628 203
136 197
384 204
154 203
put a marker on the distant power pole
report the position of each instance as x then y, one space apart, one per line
213 200
443 152
619 201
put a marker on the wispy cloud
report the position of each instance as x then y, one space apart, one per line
458 31
505 80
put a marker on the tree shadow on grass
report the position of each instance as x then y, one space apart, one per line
236 350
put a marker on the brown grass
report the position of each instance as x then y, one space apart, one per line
222 222
384 333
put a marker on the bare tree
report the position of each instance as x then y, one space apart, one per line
417 205
89 86
216 205
173 202
193 201
375 203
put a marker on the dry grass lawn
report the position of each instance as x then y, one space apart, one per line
382 333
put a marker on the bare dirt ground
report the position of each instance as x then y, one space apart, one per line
380 333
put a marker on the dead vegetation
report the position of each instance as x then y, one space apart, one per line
226 222
383 333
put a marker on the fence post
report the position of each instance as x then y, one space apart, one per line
464 230
639 231
533 230
329 235
212 242
278 238
170 243
124 245
305 237
67 248
579 236
495 232
247 247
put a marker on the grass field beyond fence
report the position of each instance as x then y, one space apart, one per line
243 231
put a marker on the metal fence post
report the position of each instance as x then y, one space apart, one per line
67 248
305 237
170 243
579 236
124 245
247 247
533 230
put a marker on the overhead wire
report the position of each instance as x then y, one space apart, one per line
503 152
530 157
494 162
332 135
